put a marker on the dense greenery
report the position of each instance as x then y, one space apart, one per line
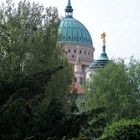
122 130
89 124
117 88
34 75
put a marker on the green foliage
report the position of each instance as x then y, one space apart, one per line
122 130
81 137
27 46
116 87
34 75
90 123
51 120
16 118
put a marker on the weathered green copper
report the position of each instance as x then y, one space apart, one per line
73 32
101 61
103 55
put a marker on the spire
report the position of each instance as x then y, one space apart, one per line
69 9
69 3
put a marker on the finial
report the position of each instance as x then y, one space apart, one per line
69 9
69 3
103 36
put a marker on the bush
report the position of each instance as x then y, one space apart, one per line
122 130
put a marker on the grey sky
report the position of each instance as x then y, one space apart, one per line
120 19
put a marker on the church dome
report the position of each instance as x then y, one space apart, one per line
73 32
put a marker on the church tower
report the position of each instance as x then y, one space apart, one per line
77 42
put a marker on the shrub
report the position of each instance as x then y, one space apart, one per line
122 130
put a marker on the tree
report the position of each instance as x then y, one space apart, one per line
89 124
33 72
116 87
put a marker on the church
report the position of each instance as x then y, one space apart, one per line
79 49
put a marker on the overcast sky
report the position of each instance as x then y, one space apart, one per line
120 19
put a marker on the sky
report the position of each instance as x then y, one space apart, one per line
120 19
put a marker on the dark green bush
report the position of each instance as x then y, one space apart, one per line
122 130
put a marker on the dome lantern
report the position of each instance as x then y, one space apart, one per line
69 10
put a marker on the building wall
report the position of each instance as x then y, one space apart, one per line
86 56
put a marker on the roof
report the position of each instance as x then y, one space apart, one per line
77 88
101 61
71 31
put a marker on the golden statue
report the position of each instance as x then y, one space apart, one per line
103 36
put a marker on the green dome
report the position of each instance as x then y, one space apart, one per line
73 32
